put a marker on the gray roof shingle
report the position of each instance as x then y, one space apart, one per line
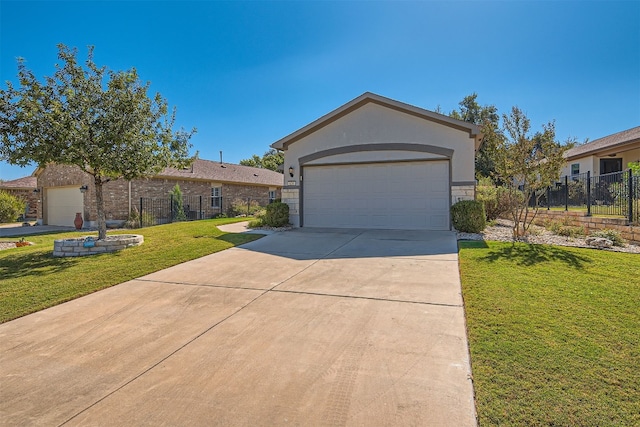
208 170
27 182
619 139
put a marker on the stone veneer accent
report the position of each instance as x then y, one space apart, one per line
75 247
591 223
462 192
291 196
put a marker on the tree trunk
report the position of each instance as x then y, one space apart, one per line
102 223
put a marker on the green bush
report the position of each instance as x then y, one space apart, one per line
495 199
468 216
277 214
570 231
177 205
256 223
242 207
612 235
11 207
133 221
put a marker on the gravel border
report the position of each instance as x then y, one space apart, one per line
502 232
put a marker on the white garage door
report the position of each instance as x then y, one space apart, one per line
62 205
411 196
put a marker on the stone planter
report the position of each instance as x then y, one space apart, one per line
88 246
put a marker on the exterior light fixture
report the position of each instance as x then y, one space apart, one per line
36 190
291 171
83 189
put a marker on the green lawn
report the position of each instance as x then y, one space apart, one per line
32 279
554 334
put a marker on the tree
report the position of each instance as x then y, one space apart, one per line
527 165
271 160
488 119
99 120
10 207
178 206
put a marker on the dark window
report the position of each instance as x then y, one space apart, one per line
610 165
575 169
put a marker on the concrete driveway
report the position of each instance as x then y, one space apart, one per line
305 327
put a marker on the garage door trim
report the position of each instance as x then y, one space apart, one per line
420 148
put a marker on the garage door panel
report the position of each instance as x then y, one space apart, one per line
412 195
62 205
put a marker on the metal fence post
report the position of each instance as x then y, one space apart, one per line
548 197
566 193
140 212
248 201
588 193
200 208
630 195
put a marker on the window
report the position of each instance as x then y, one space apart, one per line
216 197
272 196
575 169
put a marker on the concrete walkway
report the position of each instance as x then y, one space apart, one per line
17 230
305 327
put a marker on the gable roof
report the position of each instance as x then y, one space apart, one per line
368 97
24 183
612 142
208 170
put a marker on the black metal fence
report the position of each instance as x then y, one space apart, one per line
616 194
153 211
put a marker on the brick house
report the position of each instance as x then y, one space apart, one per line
216 186
24 189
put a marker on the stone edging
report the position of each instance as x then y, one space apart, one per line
77 247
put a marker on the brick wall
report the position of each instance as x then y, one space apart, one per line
591 223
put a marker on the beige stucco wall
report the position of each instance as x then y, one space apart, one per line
589 163
375 124
592 163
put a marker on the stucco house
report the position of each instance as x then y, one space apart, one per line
24 188
378 163
604 155
218 183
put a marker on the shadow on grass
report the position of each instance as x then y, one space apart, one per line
529 255
472 244
39 263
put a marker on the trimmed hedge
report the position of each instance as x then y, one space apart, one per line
468 216
11 207
277 214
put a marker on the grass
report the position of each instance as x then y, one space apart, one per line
554 334
32 279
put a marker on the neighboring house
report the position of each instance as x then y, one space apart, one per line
605 155
24 189
220 184
378 163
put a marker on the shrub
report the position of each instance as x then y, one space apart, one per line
612 235
256 223
570 231
494 199
468 216
240 207
133 221
177 205
11 207
277 214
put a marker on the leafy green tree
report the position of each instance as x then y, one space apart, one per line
271 160
99 120
488 119
178 205
10 207
527 164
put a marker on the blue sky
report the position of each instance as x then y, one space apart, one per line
246 74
